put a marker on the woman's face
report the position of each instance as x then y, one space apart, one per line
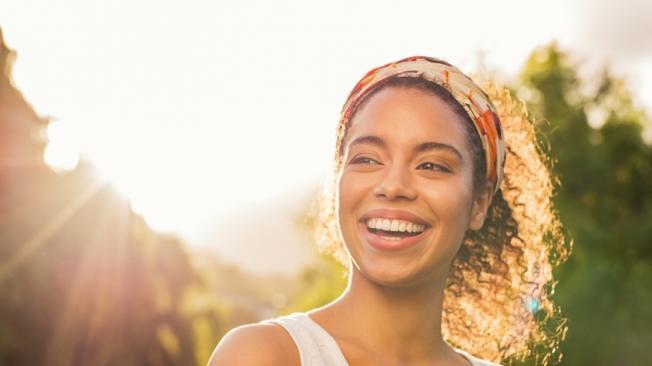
405 192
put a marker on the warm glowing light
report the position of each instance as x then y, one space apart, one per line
139 165
62 151
198 113
136 164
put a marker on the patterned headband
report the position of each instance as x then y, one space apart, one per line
475 102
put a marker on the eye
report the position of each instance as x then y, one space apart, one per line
364 160
434 167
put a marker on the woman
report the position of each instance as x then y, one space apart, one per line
441 210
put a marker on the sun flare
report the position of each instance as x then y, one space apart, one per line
156 184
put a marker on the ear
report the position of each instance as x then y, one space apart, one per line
480 206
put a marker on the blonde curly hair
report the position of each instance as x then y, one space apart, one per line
497 302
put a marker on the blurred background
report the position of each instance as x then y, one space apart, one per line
158 162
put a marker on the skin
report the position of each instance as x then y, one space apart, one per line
390 313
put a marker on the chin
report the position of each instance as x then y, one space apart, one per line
393 275
397 272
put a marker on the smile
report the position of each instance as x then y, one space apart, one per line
399 235
388 240
393 226
392 229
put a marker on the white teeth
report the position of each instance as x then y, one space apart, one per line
402 227
395 225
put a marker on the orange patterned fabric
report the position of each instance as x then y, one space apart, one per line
474 100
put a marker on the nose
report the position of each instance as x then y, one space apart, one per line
395 185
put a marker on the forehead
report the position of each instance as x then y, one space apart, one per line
408 116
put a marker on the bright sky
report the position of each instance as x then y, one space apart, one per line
196 109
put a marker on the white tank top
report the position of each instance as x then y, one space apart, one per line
318 348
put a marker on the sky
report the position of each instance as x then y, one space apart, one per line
202 111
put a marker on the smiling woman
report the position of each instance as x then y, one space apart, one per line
440 207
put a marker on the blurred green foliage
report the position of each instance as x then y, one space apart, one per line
594 134
318 285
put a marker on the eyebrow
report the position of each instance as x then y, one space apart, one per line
370 140
426 146
423 147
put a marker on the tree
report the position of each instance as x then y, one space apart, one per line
593 131
84 280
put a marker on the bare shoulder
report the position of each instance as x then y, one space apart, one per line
256 344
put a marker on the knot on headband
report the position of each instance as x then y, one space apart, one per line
475 101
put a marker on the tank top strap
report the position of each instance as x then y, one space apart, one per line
316 347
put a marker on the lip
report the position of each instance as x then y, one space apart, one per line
377 242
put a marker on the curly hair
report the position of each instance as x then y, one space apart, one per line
497 300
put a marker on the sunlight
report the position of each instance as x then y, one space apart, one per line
43 234
138 173
161 173
62 151
130 168
190 134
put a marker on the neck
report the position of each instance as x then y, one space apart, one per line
401 323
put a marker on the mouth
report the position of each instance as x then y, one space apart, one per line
394 227
391 234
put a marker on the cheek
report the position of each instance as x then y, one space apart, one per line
452 204
349 191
